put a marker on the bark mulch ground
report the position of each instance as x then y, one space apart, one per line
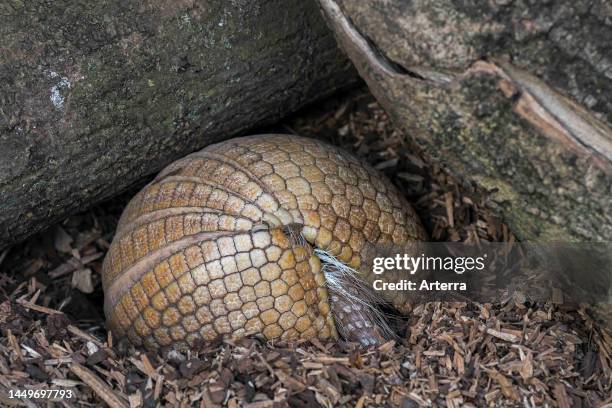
447 354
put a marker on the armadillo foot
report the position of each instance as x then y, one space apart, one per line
354 304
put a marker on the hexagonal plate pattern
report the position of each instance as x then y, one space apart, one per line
211 246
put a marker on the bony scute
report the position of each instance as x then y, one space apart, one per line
262 234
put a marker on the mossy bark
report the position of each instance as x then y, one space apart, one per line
513 97
96 95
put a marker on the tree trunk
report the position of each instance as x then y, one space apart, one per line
96 95
514 97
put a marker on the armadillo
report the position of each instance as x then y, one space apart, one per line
246 237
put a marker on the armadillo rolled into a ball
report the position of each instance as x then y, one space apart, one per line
230 241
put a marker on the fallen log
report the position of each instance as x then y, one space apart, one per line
514 98
504 94
96 95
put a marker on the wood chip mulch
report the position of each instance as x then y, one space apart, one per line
52 333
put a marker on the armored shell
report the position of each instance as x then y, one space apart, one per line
221 242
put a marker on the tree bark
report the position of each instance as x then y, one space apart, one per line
513 96
96 95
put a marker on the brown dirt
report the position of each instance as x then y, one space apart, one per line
448 354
